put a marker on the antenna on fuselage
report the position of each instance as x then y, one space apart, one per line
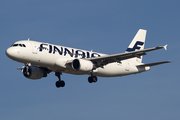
28 39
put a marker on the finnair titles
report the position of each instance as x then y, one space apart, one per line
64 51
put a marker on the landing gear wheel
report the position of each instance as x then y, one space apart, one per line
92 79
60 84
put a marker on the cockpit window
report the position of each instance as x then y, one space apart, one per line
21 45
14 45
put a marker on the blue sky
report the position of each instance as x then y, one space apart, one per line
105 26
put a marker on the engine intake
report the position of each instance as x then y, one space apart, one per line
82 65
33 72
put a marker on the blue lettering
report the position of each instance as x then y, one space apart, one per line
77 53
56 49
50 48
42 47
70 53
88 56
82 54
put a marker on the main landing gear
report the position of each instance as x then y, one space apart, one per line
92 78
59 83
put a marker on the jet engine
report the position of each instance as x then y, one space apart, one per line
82 65
33 72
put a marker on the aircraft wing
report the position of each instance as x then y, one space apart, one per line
104 60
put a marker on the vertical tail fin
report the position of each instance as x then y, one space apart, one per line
138 42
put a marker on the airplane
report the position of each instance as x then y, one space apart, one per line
41 59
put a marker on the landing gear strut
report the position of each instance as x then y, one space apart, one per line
92 78
59 83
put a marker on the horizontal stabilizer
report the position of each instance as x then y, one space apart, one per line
153 64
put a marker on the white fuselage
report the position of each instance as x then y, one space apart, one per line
46 55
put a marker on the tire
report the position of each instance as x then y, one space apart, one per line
62 83
58 84
90 80
94 78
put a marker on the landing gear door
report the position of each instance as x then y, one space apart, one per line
34 48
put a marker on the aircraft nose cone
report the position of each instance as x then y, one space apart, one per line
10 52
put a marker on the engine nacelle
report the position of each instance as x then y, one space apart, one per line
33 72
82 65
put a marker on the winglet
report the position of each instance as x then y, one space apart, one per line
165 47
